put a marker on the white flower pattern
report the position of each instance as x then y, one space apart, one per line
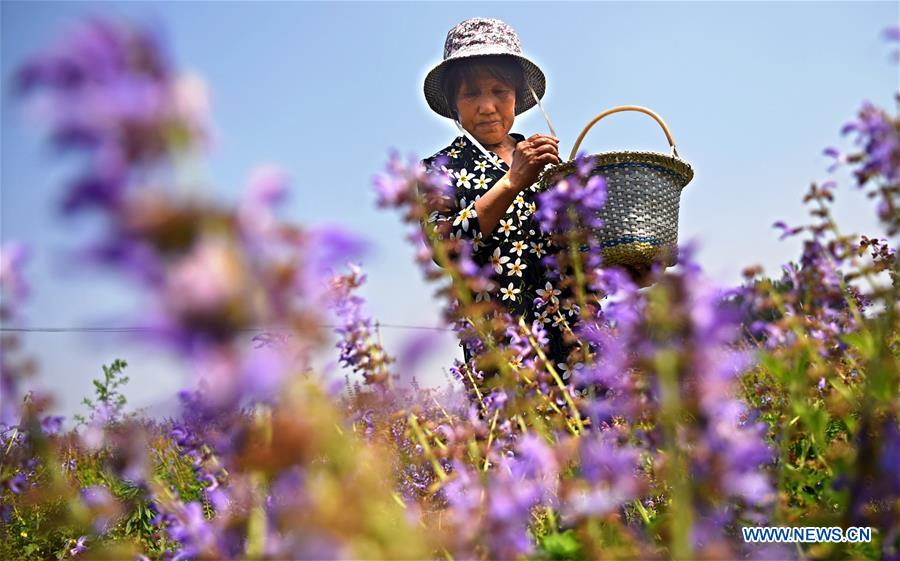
497 260
463 179
482 182
467 212
516 268
514 248
507 227
510 292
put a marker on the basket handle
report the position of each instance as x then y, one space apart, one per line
624 108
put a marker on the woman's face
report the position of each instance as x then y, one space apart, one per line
486 107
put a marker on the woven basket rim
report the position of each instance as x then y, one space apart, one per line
667 161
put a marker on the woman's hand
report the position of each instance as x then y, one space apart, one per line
529 159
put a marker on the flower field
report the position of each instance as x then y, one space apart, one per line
685 412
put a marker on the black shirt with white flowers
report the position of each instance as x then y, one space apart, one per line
515 247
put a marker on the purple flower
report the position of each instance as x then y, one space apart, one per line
518 343
133 257
393 187
574 202
537 461
611 474
787 231
17 483
612 282
880 139
229 376
402 185
584 164
359 348
51 424
79 546
207 279
331 247
107 91
13 256
267 187
103 189
494 401
191 529
262 372
839 158
415 350
111 82
513 493
96 496
891 33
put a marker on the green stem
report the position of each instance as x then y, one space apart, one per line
256 523
576 415
681 507
490 441
423 442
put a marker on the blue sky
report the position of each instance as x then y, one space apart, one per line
751 91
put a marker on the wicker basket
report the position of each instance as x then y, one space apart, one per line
640 216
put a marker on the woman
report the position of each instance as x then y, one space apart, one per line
483 82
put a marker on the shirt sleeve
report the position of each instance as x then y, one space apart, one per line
450 205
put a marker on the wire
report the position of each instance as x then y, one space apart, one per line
137 329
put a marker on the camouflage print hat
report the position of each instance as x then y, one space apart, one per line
480 37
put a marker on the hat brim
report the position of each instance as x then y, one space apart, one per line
534 77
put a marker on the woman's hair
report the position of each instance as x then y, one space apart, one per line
502 67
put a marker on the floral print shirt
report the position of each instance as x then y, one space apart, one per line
515 247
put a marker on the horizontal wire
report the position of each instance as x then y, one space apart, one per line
137 329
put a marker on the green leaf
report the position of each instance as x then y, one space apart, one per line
862 341
561 547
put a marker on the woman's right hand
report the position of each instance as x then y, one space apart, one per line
529 159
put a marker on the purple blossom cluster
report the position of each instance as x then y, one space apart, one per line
661 357
574 201
358 344
212 272
876 163
570 212
108 90
496 510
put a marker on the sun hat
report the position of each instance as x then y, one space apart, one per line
477 37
